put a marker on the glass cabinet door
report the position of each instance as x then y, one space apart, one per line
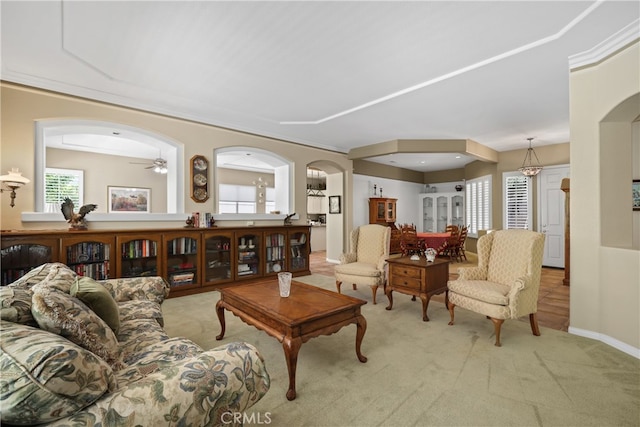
138 256
299 248
442 212
380 209
89 258
457 211
217 257
18 258
428 224
276 252
391 212
248 246
182 260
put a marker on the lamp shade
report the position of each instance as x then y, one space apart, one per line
14 177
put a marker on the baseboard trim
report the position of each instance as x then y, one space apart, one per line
617 344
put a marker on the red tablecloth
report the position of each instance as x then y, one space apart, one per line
434 240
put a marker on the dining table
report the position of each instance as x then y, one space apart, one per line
434 240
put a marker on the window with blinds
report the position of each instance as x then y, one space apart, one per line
237 198
60 184
517 201
478 202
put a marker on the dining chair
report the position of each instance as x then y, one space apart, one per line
410 244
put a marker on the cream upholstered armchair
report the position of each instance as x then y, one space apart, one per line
506 281
366 262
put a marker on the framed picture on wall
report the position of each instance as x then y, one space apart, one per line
334 204
635 192
129 199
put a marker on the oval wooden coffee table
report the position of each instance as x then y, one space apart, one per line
308 312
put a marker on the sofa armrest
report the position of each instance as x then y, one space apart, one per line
152 288
196 391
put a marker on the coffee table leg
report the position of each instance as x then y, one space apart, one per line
220 311
291 348
361 325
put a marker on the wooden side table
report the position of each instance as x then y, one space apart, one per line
418 278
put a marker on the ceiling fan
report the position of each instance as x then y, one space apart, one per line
158 165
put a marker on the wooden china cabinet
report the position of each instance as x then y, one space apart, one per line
382 210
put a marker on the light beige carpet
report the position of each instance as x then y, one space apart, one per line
428 373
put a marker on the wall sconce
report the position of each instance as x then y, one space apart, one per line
13 180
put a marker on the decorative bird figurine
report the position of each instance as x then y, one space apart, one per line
76 220
287 220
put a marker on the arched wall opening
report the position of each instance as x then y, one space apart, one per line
172 151
619 164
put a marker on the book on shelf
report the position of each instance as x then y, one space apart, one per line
201 219
182 278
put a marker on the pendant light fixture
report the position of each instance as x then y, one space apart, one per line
528 168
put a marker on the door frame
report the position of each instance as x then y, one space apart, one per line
567 167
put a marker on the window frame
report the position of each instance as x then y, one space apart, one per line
526 192
76 173
243 205
478 204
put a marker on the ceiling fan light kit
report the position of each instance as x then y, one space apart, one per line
159 165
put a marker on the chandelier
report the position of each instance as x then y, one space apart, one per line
528 168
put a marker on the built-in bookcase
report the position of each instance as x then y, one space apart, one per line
190 260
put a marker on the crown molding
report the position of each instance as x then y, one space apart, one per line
607 47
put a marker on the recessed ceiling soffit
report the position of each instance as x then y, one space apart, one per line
424 146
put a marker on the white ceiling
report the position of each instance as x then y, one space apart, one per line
336 75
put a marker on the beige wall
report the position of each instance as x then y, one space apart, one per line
21 107
605 291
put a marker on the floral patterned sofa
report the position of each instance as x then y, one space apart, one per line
76 352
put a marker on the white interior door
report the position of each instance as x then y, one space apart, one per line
551 213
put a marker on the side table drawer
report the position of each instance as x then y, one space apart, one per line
410 272
405 282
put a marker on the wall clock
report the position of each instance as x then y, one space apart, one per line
199 179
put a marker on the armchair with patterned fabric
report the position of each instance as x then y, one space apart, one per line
506 282
365 263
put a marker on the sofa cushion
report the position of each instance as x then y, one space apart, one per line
51 275
69 317
46 377
98 299
15 305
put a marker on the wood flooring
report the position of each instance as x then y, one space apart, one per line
553 298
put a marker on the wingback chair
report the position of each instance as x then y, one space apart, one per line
506 281
366 262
